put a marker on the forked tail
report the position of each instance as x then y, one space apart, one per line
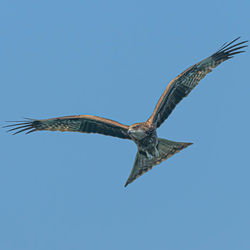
143 164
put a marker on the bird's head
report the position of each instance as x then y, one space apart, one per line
137 131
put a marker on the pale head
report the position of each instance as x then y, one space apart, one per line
137 131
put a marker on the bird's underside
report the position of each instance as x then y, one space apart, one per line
151 149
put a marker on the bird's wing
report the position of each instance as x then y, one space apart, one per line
81 123
182 85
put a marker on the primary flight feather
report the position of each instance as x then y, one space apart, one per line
151 149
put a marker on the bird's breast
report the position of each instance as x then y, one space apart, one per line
149 142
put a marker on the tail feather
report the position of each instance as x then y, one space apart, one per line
143 164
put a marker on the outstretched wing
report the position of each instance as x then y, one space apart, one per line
182 85
81 123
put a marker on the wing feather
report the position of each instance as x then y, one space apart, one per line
184 83
81 123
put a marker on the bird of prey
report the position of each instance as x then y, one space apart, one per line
151 149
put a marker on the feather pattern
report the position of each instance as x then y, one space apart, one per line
143 164
184 83
151 149
81 123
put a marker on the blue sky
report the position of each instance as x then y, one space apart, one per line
114 59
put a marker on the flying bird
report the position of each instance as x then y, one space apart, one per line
151 149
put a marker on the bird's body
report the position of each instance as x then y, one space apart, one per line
151 149
145 137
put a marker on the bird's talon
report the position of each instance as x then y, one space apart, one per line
149 155
156 152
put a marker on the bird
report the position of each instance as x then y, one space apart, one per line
152 150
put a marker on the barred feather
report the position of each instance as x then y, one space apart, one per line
184 83
81 123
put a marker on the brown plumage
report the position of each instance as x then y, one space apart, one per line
78 123
151 149
182 85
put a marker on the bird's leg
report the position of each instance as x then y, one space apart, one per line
156 152
149 155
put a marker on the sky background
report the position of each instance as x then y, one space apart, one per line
61 191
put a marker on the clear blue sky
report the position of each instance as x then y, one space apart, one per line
62 191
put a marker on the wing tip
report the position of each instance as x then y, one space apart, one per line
228 50
20 126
